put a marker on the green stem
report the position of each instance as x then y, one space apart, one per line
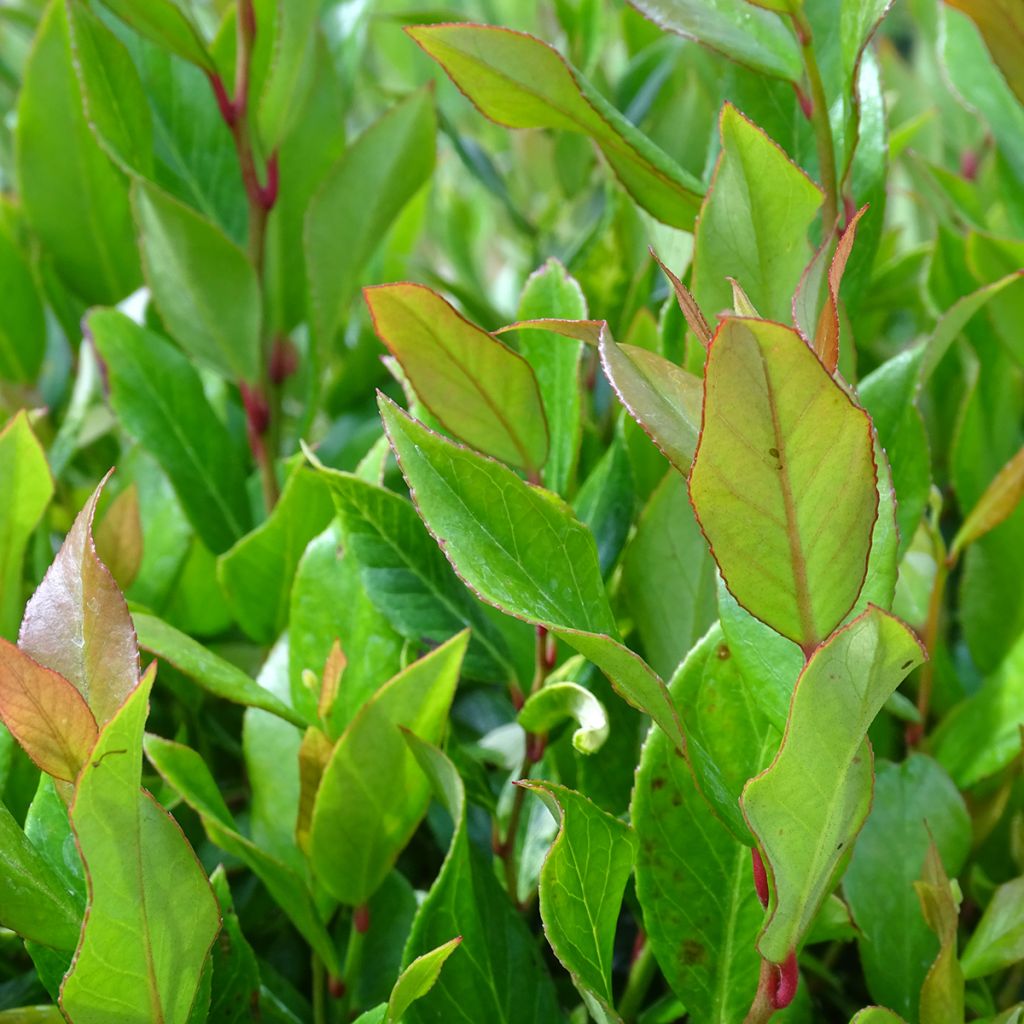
319 1000
641 974
354 958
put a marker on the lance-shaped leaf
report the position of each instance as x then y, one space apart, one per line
28 487
77 623
166 24
45 714
417 980
520 82
581 885
345 221
807 807
1001 23
942 994
554 703
152 916
759 39
478 388
754 223
521 549
784 481
202 282
996 504
498 974
692 313
997 941
373 794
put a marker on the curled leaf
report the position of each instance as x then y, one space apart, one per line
556 702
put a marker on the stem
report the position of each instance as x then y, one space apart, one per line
319 1002
915 731
820 121
354 957
761 1009
641 974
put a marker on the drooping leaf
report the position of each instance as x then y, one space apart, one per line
784 480
77 623
152 916
520 82
942 994
158 397
554 703
480 390
803 827
166 24
373 793
520 549
998 939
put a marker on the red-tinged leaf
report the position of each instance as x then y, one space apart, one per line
45 714
77 622
687 304
1001 23
1002 496
119 537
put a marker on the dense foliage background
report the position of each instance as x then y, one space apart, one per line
194 194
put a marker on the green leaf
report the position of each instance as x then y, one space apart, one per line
417 980
758 39
1001 23
32 1015
605 503
212 673
236 973
876 1015
291 73
407 577
520 82
754 223
73 197
345 221
942 995
23 328
784 480
581 886
913 803
475 386
203 283
166 24
806 808
554 703
29 488
520 549
498 974
256 574
77 623
149 898
34 901
158 396
373 794
998 939
995 505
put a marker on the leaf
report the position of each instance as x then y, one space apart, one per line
163 22
77 623
407 577
914 803
74 199
692 313
498 974
373 794
551 291
344 222
149 898
997 941
256 574
236 973
158 397
876 1015
33 899
29 488
805 829
417 980
555 702
291 72
23 329
995 505
203 284
520 82
605 503
520 549
475 386
212 673
758 39
119 537
784 480
942 995
1001 24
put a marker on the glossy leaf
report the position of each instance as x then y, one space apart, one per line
417 980
805 833
373 794
998 940
784 480
151 923
159 397
556 702
521 82
483 392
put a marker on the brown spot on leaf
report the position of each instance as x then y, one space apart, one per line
723 652
692 952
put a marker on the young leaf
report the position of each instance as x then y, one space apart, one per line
998 939
202 282
77 623
784 480
520 549
807 807
149 898
1002 497
554 703
942 995
166 24
479 389
158 396
520 82
687 305
373 794
754 223
417 980
345 221
28 489
581 887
